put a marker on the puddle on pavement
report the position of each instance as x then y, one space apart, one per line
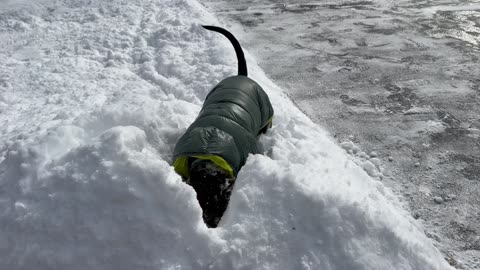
304 8
459 24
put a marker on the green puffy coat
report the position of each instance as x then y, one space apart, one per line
234 114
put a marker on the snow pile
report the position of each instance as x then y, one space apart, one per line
370 163
93 97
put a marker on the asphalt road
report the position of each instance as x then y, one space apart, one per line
398 78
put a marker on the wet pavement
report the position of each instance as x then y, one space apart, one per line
400 78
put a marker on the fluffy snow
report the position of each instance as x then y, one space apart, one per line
93 97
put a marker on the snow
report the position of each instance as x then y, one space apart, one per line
93 97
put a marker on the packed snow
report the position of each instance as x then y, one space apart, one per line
94 96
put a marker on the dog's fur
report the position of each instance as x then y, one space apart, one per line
212 183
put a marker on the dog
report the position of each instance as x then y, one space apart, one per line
216 145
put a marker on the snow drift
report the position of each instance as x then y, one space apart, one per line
93 97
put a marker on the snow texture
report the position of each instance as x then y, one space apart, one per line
93 97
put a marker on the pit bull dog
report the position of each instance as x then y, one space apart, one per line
216 145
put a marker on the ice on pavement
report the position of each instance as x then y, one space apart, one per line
93 97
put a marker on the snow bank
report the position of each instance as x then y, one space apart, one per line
93 97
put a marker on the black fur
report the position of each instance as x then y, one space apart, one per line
242 64
213 188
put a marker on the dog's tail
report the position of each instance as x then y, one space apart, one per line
242 64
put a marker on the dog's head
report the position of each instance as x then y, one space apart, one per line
213 186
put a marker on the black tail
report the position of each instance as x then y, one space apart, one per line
242 64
